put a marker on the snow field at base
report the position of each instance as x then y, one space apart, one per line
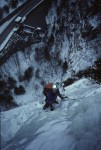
75 124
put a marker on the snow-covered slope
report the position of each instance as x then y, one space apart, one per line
75 124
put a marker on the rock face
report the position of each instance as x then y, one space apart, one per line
75 27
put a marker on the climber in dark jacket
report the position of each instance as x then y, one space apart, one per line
51 97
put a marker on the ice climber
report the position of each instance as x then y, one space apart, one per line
51 92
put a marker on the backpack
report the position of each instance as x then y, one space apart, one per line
47 88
